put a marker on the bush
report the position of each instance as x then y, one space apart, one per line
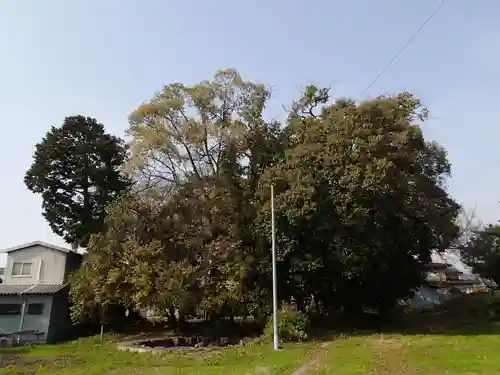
292 325
475 307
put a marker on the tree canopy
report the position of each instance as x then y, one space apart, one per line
361 202
76 169
482 254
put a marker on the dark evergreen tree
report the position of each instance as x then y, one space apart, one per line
76 169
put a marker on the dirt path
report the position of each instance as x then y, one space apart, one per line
317 359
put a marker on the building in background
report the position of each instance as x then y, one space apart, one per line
34 304
443 281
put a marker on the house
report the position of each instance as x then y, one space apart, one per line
447 280
34 293
441 281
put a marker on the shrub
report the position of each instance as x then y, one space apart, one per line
292 325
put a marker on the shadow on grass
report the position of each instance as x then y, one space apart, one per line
19 357
28 364
14 351
455 329
468 315
463 315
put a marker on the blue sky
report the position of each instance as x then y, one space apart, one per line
104 58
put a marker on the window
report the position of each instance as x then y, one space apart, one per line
35 309
21 269
10 309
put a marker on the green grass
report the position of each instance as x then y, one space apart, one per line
91 357
381 354
431 354
462 337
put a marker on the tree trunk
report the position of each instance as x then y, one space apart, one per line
172 319
314 300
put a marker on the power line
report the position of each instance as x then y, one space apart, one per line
443 2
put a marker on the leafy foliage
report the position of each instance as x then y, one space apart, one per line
76 169
292 325
361 202
200 151
482 254
201 131
152 257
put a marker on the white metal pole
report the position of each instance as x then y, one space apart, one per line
275 280
102 322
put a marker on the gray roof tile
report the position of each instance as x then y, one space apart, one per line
37 289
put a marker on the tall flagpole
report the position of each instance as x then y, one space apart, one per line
275 280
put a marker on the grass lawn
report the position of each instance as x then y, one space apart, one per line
91 357
468 343
431 354
381 354
411 355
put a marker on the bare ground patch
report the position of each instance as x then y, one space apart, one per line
389 357
28 365
317 361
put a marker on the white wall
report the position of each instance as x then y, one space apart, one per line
52 263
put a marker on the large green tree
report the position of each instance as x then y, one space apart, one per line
103 281
209 143
197 152
76 169
163 256
361 201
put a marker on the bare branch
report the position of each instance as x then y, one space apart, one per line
468 224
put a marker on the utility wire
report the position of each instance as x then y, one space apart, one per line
381 73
